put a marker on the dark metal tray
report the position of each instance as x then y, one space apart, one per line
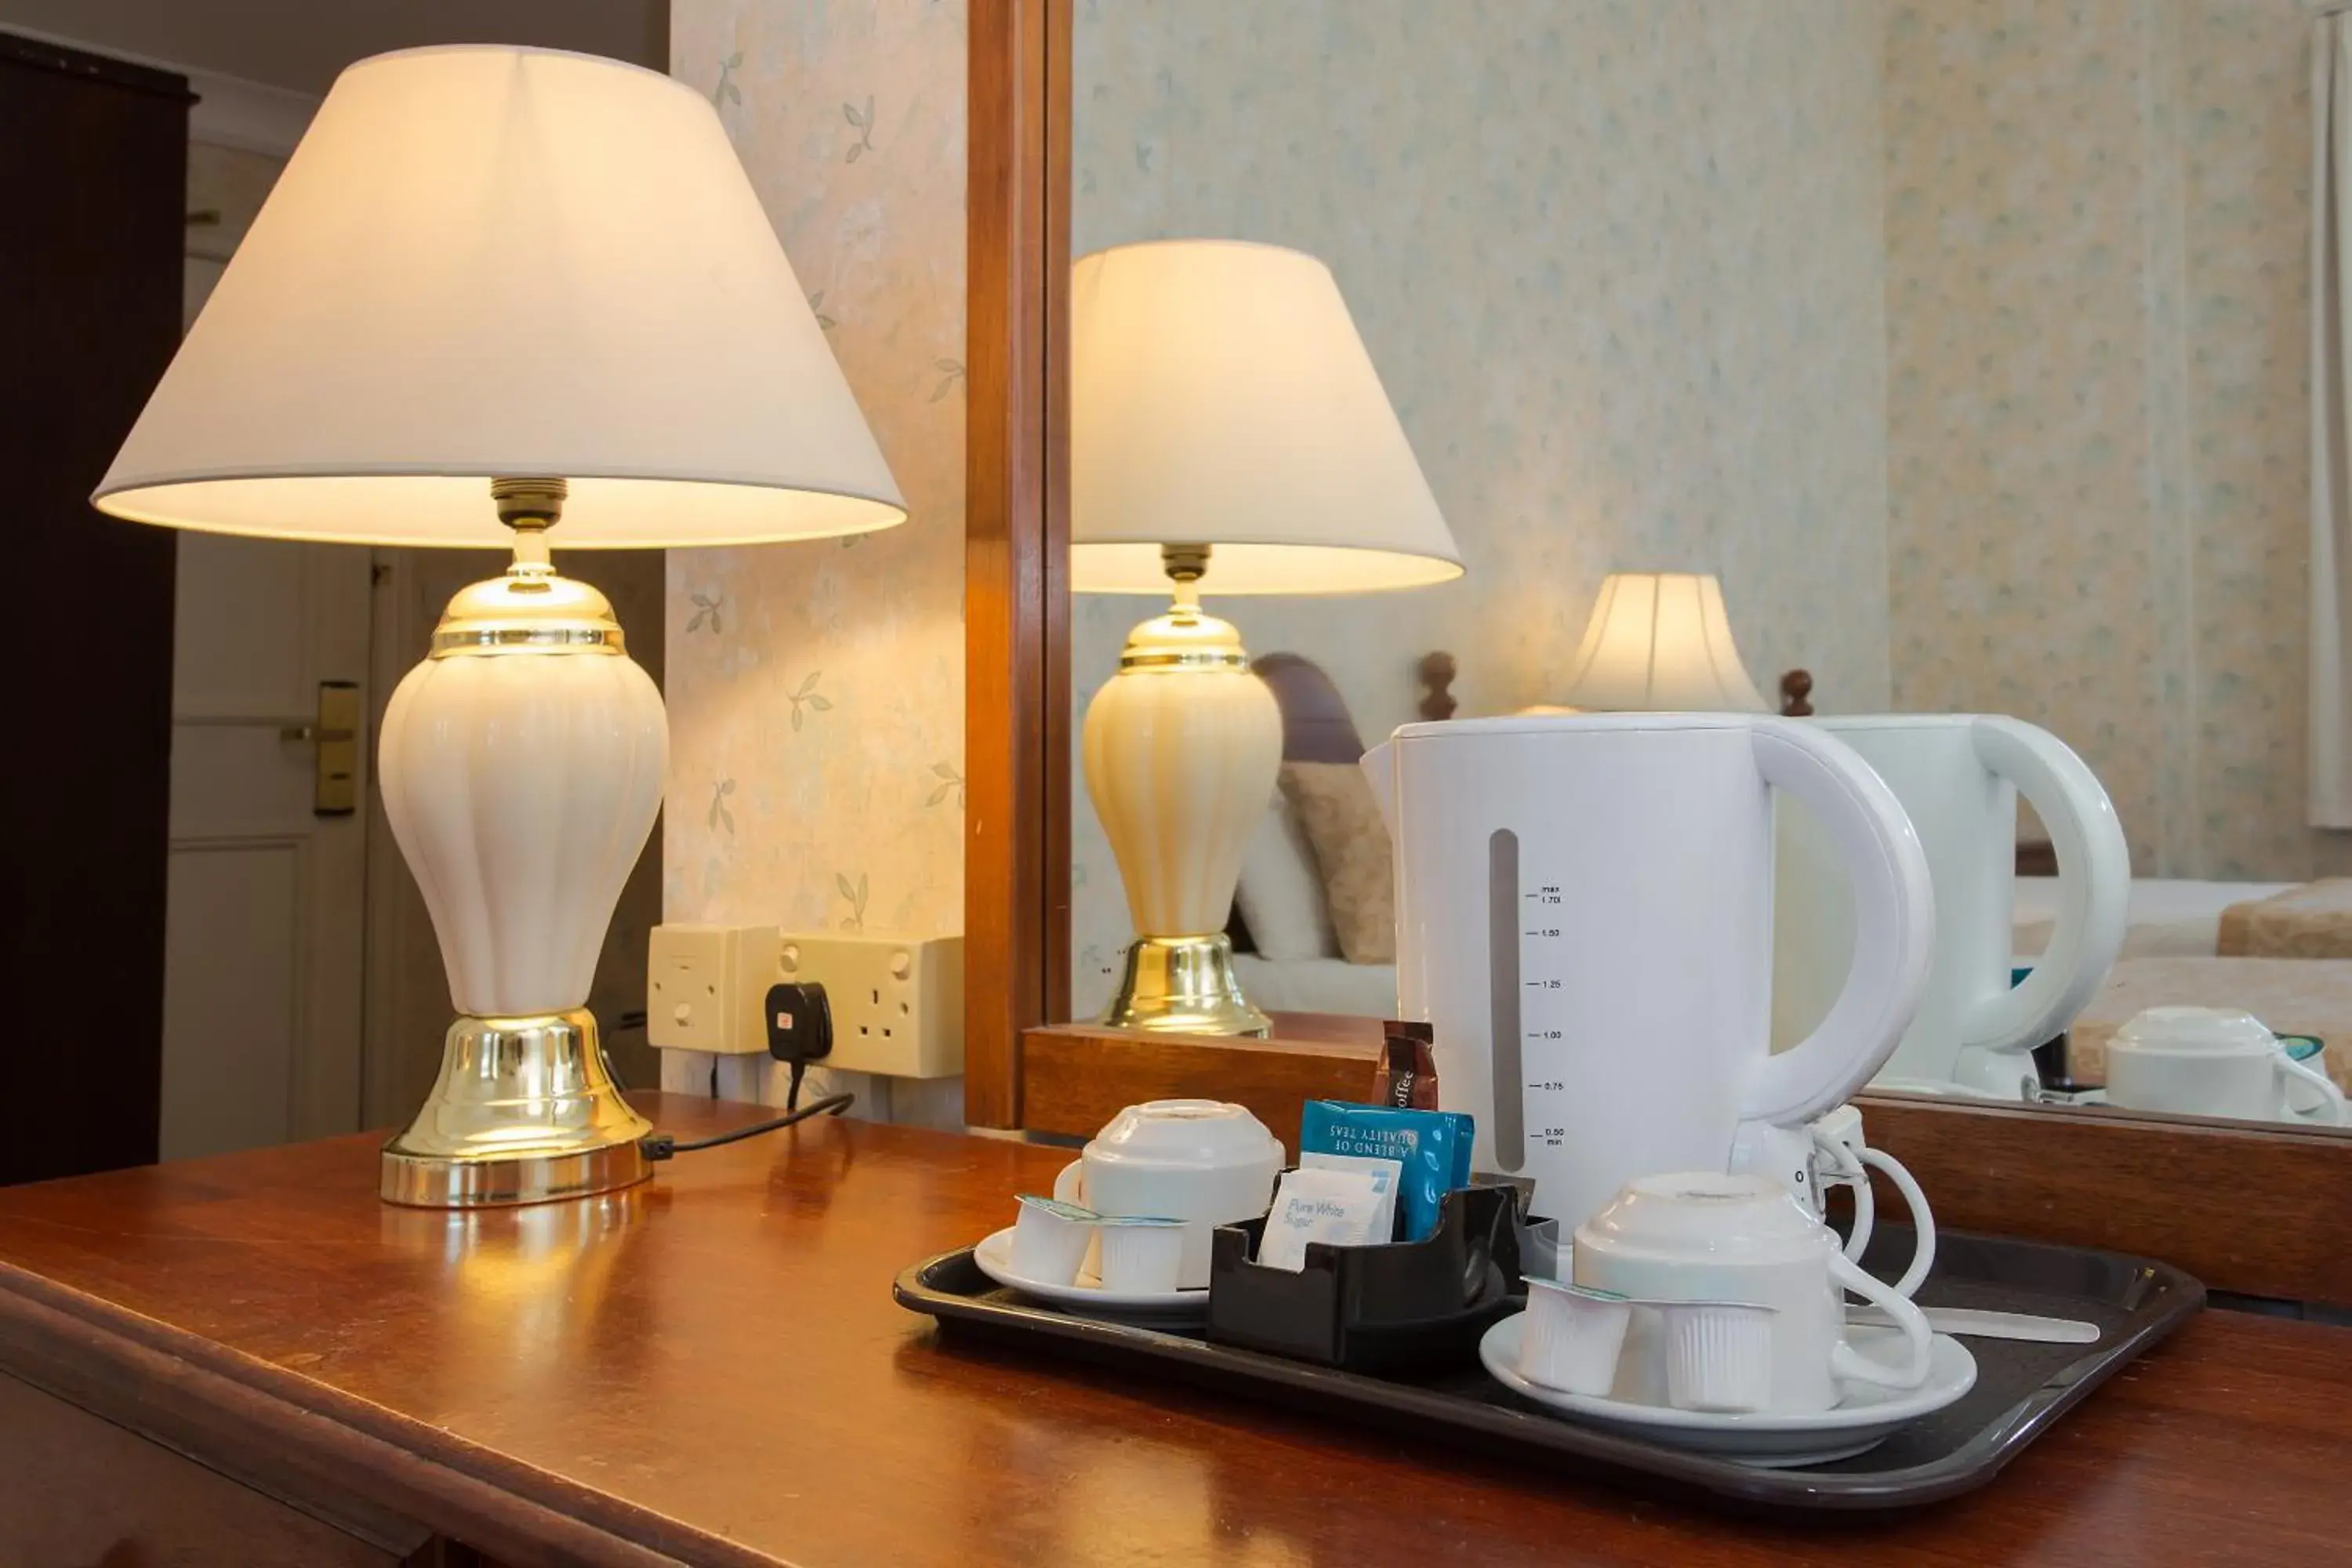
2021 1389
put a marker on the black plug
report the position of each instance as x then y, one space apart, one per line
800 1024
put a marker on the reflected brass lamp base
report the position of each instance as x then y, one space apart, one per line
523 1112
1184 986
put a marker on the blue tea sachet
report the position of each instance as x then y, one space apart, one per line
1433 1147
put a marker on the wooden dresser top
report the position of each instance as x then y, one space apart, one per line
710 1368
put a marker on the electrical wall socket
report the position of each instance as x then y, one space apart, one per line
707 987
898 1002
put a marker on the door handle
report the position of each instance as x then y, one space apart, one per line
334 737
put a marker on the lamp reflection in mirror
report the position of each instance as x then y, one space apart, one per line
1229 433
1660 642
500 295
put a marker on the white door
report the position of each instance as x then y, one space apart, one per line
265 933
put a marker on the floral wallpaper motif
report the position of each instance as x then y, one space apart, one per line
1619 265
817 689
2096 239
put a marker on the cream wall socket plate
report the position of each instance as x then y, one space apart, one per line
898 1002
707 986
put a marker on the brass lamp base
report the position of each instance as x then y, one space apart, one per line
1184 986
523 1112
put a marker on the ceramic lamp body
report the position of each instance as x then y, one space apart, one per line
1181 748
520 788
1179 765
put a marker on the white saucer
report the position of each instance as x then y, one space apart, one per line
994 1257
1869 1415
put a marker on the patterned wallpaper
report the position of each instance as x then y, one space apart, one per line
2096 241
1619 263
817 689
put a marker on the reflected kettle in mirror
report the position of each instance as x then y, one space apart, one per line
2214 1061
1958 778
1584 910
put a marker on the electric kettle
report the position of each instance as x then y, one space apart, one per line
1584 913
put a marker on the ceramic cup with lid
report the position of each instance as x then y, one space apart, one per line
1710 1236
2214 1061
1201 1161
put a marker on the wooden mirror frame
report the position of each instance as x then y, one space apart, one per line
1016 547
2253 1210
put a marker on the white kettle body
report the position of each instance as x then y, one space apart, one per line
1584 913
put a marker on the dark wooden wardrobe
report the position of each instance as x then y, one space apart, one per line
93 178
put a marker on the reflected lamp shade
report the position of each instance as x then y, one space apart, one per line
1221 395
1660 642
505 297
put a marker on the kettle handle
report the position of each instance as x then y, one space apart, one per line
2094 886
1895 923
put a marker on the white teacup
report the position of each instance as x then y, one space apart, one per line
1201 1161
1708 1236
2214 1061
1831 1152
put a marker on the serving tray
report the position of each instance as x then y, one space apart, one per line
2021 1388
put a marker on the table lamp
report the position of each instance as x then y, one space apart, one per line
1659 642
1228 432
501 296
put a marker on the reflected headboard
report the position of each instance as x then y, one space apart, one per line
1315 724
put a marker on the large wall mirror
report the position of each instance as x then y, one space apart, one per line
1845 357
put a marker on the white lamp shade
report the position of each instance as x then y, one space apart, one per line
1660 642
1220 395
486 261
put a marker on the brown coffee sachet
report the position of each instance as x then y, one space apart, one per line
1408 1073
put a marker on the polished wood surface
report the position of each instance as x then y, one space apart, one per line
1079 1076
2260 1211
710 1369
1016 555
93 194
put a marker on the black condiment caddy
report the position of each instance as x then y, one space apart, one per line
1400 1305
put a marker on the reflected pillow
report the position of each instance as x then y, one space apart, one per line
1280 894
1334 801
